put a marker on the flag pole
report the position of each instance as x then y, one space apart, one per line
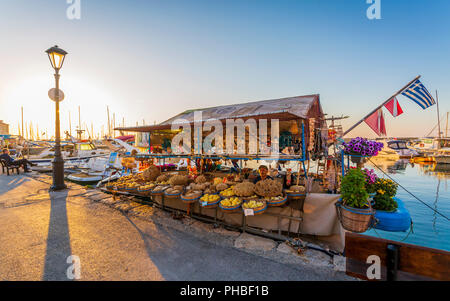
399 91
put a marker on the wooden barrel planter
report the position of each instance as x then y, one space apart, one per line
355 219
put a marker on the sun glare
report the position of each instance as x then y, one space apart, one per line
32 95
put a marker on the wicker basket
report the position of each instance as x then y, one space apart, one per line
354 219
225 197
209 205
146 192
258 210
249 198
172 195
233 209
277 203
131 190
160 192
191 199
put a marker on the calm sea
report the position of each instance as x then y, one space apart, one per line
430 183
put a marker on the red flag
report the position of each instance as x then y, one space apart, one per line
376 122
394 107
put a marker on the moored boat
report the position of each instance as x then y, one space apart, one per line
442 159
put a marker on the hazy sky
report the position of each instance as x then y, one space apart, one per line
153 59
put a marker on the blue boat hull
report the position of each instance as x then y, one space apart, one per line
398 221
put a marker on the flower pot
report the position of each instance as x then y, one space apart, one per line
358 159
355 219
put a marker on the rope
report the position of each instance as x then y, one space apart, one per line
448 219
411 230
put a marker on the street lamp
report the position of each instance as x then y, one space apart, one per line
56 56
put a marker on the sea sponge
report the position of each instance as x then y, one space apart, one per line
202 186
200 179
151 173
217 180
268 188
297 188
210 190
178 180
163 178
244 189
178 187
221 186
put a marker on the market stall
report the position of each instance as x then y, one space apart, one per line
276 197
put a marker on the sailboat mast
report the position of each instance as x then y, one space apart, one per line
79 123
70 125
109 123
446 127
23 135
439 121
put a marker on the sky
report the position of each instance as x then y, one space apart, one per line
148 60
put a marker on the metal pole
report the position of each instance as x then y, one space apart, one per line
58 162
399 91
439 120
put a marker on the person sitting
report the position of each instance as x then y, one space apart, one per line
263 174
10 161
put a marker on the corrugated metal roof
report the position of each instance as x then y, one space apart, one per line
297 106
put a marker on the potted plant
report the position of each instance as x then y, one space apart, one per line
359 149
385 191
355 211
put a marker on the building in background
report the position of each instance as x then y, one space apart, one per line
4 128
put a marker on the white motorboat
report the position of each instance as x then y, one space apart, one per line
97 169
71 152
401 148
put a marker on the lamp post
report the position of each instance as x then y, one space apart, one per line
56 56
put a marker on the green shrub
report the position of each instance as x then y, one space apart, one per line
353 189
385 192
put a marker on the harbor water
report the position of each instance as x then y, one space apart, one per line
430 183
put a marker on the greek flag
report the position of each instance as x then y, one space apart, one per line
419 94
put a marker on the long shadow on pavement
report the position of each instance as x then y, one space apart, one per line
9 183
58 239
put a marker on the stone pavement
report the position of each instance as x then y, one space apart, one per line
119 239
